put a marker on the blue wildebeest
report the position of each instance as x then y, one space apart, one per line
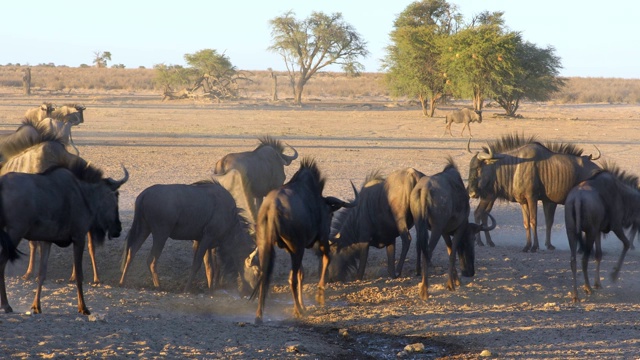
609 201
34 148
204 212
381 215
527 174
295 217
440 203
262 169
40 113
513 142
463 116
59 206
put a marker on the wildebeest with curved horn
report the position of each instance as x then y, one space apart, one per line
441 203
204 212
381 215
609 201
34 148
59 206
41 112
463 116
295 217
525 175
262 168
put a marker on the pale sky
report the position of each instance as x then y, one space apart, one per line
593 39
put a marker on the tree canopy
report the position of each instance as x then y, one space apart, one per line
412 61
208 70
314 43
433 53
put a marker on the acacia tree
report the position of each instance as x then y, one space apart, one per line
535 78
215 74
480 58
316 42
100 58
413 60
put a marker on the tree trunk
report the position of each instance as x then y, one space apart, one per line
26 81
432 110
274 91
423 103
297 91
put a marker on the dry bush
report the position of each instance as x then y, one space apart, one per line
323 85
599 90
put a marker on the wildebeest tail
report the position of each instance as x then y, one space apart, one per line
420 219
577 216
265 242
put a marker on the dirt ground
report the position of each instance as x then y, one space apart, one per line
517 305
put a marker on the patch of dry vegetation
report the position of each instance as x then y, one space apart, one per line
323 85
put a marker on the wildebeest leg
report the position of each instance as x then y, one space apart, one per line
573 245
45 249
631 237
598 258
625 247
448 127
453 280
466 125
198 256
406 242
210 266
526 223
391 259
152 261
422 247
295 284
78 250
92 256
480 215
364 254
590 237
549 209
137 235
325 265
33 246
4 302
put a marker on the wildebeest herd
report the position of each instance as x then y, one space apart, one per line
238 217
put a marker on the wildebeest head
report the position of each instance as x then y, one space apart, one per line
250 276
466 248
479 113
107 217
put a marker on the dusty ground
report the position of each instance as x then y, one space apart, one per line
517 305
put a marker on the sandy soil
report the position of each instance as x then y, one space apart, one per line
517 305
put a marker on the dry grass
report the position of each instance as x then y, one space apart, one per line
323 85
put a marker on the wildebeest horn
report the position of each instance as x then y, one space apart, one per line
486 156
493 224
288 159
115 184
355 191
468 146
591 157
249 260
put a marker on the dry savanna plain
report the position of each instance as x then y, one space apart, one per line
516 306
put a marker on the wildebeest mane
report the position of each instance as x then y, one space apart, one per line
622 175
509 142
514 141
308 166
269 141
205 182
23 138
81 170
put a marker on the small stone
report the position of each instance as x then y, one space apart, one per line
417 347
293 346
28 313
343 332
486 353
402 354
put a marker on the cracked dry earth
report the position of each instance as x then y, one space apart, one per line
517 305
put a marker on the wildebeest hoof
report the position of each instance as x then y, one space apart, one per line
258 321
85 311
551 247
8 309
